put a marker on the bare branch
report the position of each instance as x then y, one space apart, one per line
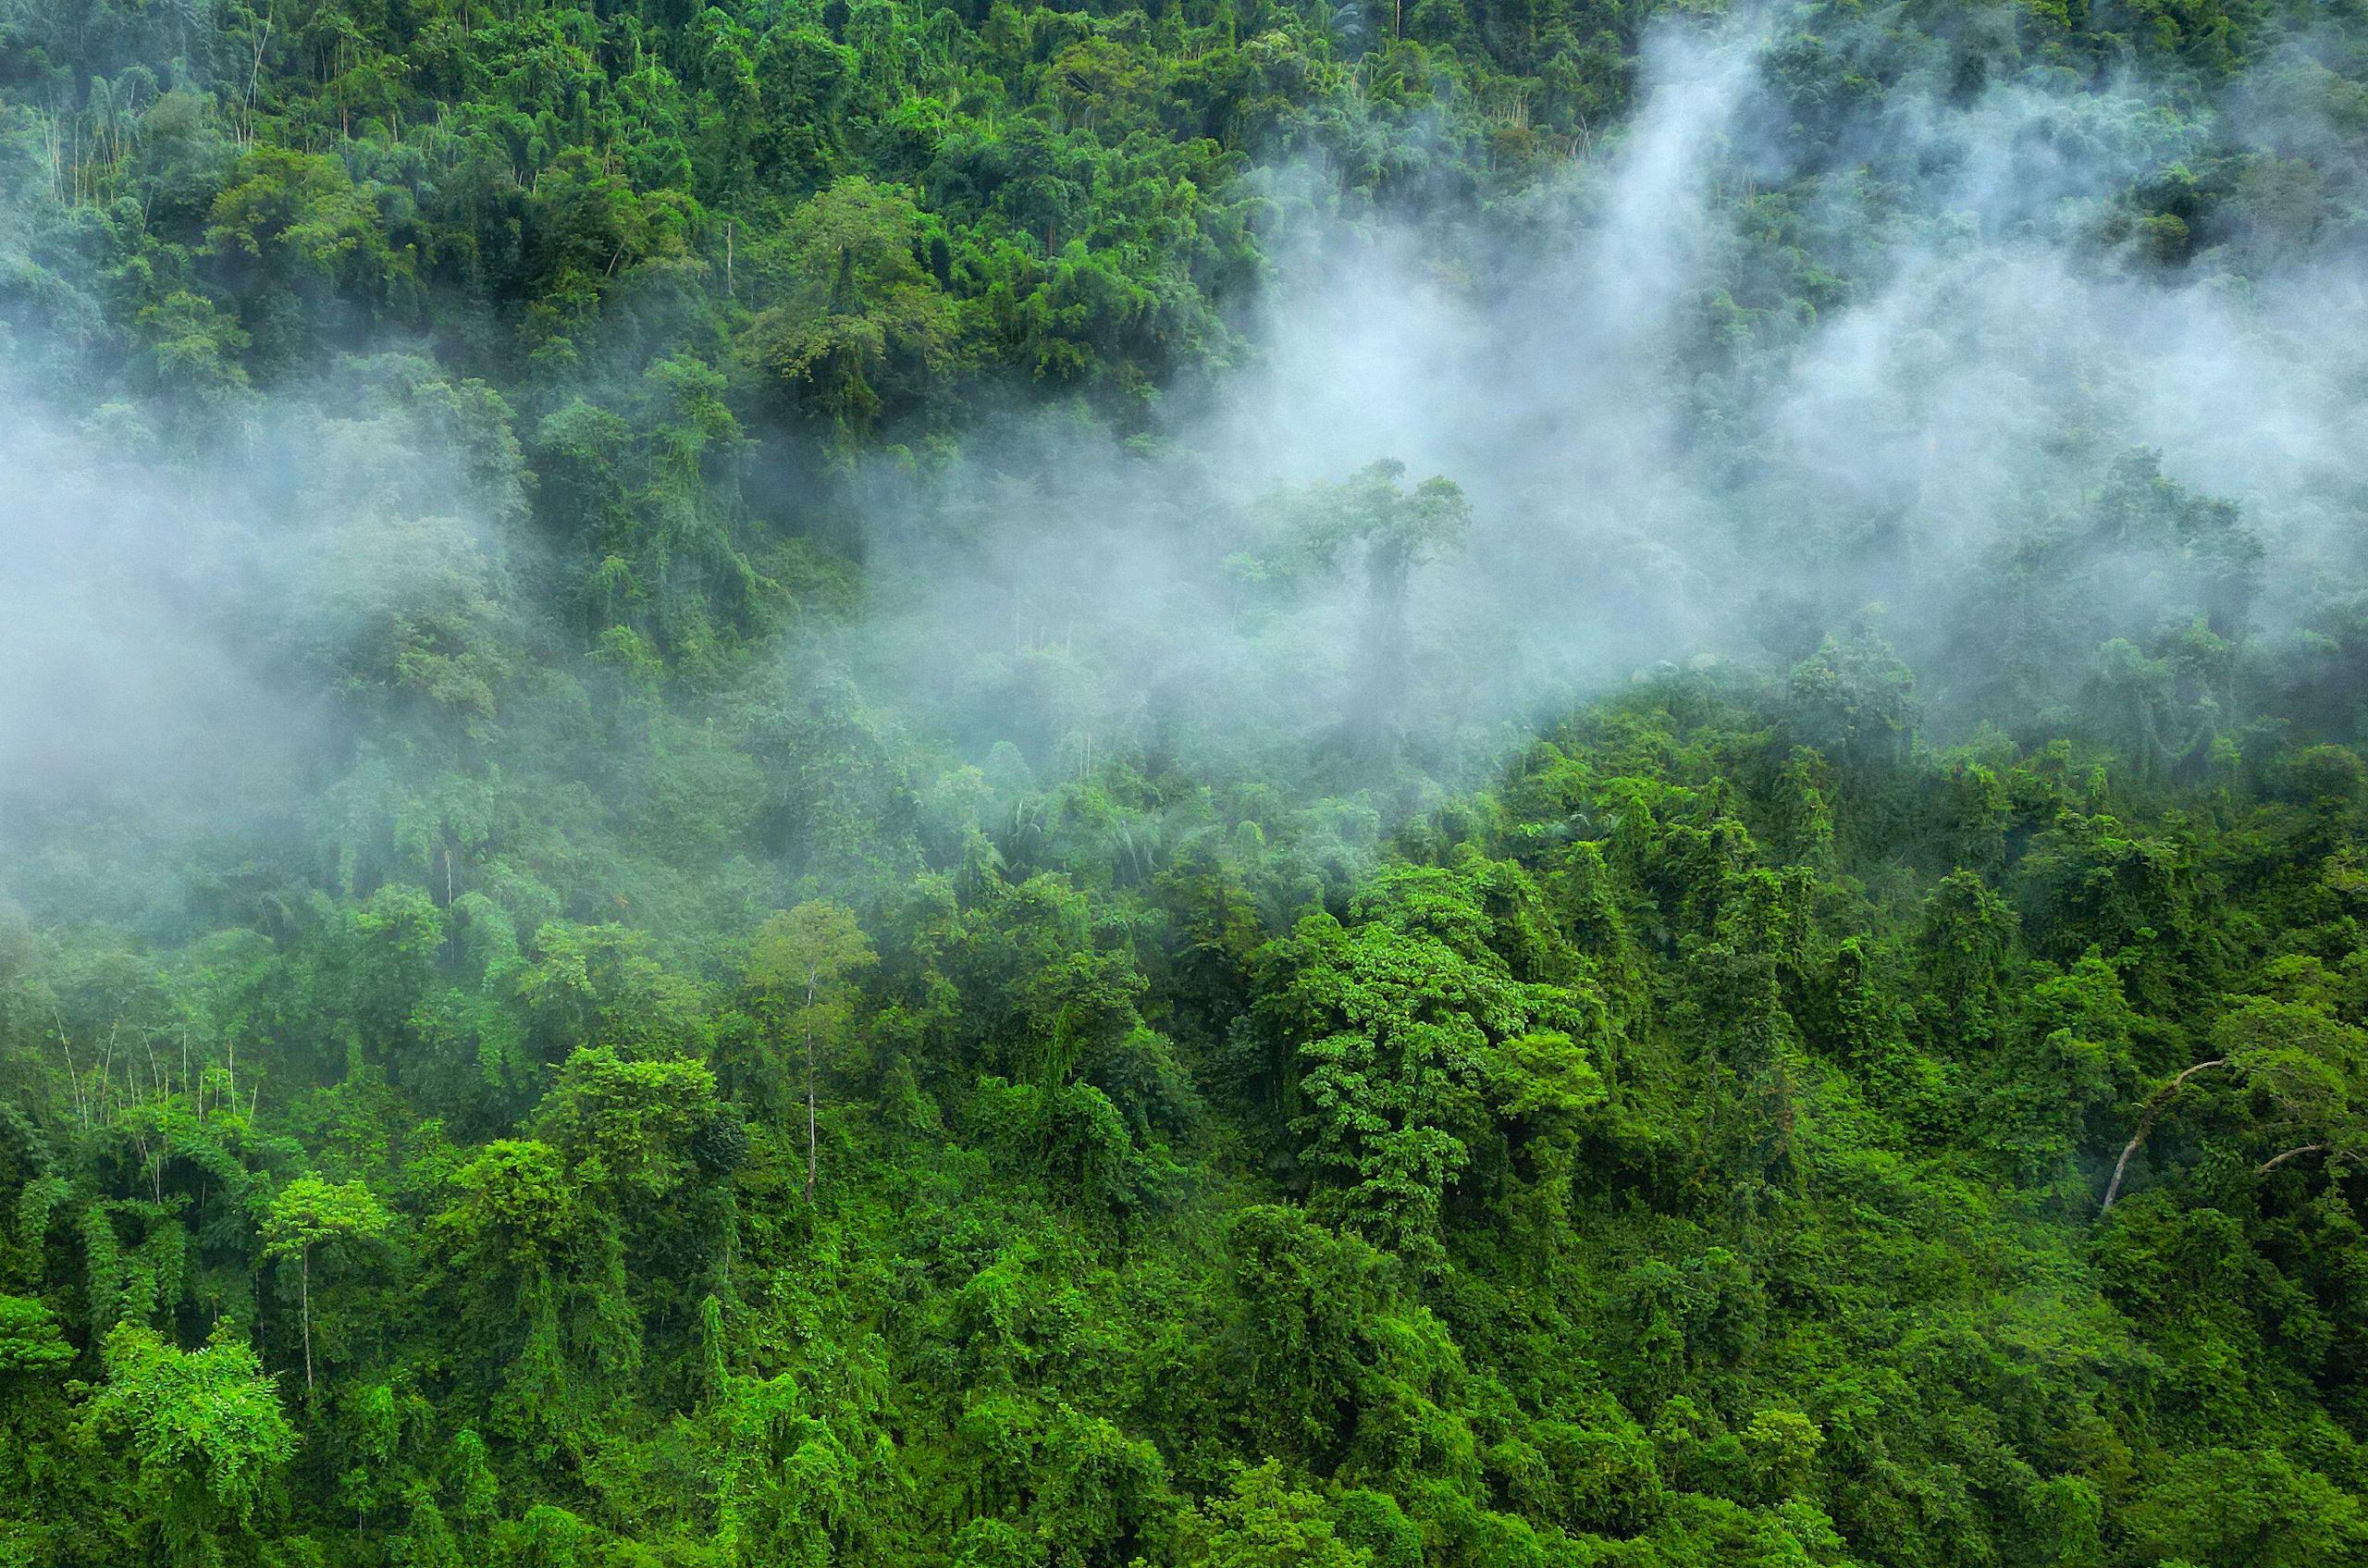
2297 1153
2146 1124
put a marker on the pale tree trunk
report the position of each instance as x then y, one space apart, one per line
810 1089
304 1309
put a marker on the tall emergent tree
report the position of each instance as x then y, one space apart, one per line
801 968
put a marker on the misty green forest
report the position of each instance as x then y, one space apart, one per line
1202 783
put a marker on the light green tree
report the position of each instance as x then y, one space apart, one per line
307 1214
801 968
1265 1522
202 1431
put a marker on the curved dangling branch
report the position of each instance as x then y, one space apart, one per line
2146 1124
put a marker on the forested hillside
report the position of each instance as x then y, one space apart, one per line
1460 783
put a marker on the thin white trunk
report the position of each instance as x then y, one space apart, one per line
809 1088
304 1309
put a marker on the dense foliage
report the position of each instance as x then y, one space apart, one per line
626 1029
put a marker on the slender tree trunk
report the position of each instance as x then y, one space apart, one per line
809 1090
304 1309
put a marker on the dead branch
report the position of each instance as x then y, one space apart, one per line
2146 1124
